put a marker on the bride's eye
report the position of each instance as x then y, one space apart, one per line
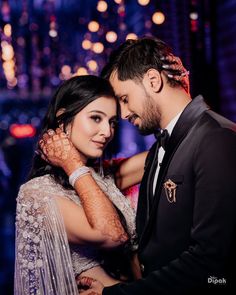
96 118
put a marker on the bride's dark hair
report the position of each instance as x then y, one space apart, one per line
72 96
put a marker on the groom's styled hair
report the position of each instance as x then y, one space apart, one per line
133 58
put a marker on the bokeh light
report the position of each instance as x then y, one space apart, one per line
53 33
93 26
131 36
158 18
81 71
98 47
102 6
111 36
193 15
87 44
7 30
65 72
92 65
143 2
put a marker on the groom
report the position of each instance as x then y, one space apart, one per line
186 211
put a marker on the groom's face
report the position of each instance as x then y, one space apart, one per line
137 105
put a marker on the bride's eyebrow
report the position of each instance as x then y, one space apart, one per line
101 112
98 111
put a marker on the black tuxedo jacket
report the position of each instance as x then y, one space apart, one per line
187 246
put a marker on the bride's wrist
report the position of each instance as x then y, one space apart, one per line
71 166
77 173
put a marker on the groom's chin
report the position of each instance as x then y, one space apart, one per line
145 132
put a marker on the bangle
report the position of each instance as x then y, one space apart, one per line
77 174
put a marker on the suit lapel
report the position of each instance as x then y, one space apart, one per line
143 210
188 118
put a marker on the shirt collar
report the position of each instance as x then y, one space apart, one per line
172 123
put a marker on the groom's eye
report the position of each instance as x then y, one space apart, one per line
114 123
124 99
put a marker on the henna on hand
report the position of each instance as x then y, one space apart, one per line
90 285
85 281
99 211
174 68
60 151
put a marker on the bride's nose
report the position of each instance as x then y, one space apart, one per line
105 130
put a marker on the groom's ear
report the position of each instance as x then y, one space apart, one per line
153 80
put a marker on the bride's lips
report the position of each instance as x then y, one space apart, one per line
99 143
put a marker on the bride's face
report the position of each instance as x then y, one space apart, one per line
93 127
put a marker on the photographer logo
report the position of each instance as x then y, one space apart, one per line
216 281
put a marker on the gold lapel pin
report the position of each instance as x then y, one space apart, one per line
170 191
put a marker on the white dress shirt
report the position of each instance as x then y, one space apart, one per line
161 151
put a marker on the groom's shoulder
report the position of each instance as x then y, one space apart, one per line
218 121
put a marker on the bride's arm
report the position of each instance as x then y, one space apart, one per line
97 221
129 172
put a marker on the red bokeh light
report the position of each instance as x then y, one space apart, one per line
22 130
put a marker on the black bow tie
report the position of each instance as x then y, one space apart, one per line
162 137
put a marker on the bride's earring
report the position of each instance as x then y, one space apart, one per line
68 131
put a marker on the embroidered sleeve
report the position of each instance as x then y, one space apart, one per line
43 263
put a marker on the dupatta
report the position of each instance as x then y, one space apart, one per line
43 262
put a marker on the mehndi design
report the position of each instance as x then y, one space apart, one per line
100 212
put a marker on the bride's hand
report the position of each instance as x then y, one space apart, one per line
174 68
58 149
89 286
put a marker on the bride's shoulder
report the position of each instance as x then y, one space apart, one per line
38 182
37 187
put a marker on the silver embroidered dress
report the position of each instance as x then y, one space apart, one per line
46 264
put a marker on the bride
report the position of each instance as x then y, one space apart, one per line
68 212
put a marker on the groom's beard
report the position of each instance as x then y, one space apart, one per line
150 118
